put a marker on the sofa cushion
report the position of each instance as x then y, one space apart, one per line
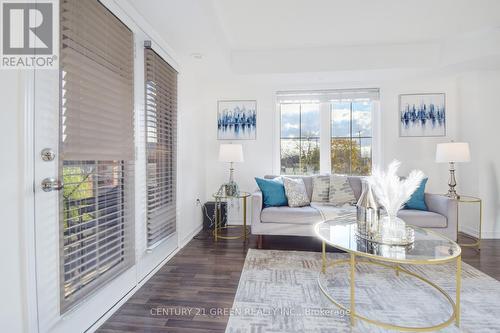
273 192
291 215
417 199
423 219
307 182
341 192
321 189
356 185
296 192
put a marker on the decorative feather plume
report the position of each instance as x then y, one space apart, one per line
391 191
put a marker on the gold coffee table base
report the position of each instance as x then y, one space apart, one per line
455 316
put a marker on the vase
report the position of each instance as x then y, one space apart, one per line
368 213
393 229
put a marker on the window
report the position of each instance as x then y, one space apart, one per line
351 140
305 133
97 148
300 124
161 140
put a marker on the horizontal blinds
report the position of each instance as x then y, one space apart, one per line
319 96
96 212
97 83
96 242
161 142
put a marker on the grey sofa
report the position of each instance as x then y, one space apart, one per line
288 221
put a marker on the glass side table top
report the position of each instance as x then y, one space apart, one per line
428 248
224 196
468 198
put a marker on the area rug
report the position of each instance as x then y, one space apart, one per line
278 292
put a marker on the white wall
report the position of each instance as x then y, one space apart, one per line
190 155
478 123
12 305
261 154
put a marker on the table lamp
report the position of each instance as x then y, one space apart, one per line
452 152
232 153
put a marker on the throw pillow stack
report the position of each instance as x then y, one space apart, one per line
332 189
283 191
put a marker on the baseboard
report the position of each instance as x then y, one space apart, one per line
491 234
485 234
125 298
189 237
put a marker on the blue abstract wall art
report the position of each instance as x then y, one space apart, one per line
422 115
237 120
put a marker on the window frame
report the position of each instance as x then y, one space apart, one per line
350 137
325 139
299 138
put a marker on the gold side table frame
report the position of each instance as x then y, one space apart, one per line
471 200
218 217
396 266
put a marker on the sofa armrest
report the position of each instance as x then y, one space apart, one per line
441 204
256 206
447 207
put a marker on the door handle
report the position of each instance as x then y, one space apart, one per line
51 184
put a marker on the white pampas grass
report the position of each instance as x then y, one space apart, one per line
391 191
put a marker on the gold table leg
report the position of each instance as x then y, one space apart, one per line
480 225
244 219
458 287
353 286
323 257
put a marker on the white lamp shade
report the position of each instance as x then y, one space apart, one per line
452 152
231 153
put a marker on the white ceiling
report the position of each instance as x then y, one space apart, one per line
265 24
271 36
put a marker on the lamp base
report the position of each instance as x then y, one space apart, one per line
231 189
452 194
452 183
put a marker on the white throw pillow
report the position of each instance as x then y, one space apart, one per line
341 191
296 193
321 189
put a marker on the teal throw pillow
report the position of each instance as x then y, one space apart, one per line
417 199
273 192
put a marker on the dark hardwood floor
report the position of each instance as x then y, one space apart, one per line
194 289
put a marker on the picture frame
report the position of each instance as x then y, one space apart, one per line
422 115
236 120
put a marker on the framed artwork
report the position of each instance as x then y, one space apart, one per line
237 120
422 115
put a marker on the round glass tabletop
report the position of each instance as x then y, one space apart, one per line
429 247
238 196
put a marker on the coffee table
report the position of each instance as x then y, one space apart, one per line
429 248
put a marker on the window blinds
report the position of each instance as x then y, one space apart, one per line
97 148
161 142
319 96
97 58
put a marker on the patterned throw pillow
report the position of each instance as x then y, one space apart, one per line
296 193
340 191
321 189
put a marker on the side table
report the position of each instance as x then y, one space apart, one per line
218 217
471 200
